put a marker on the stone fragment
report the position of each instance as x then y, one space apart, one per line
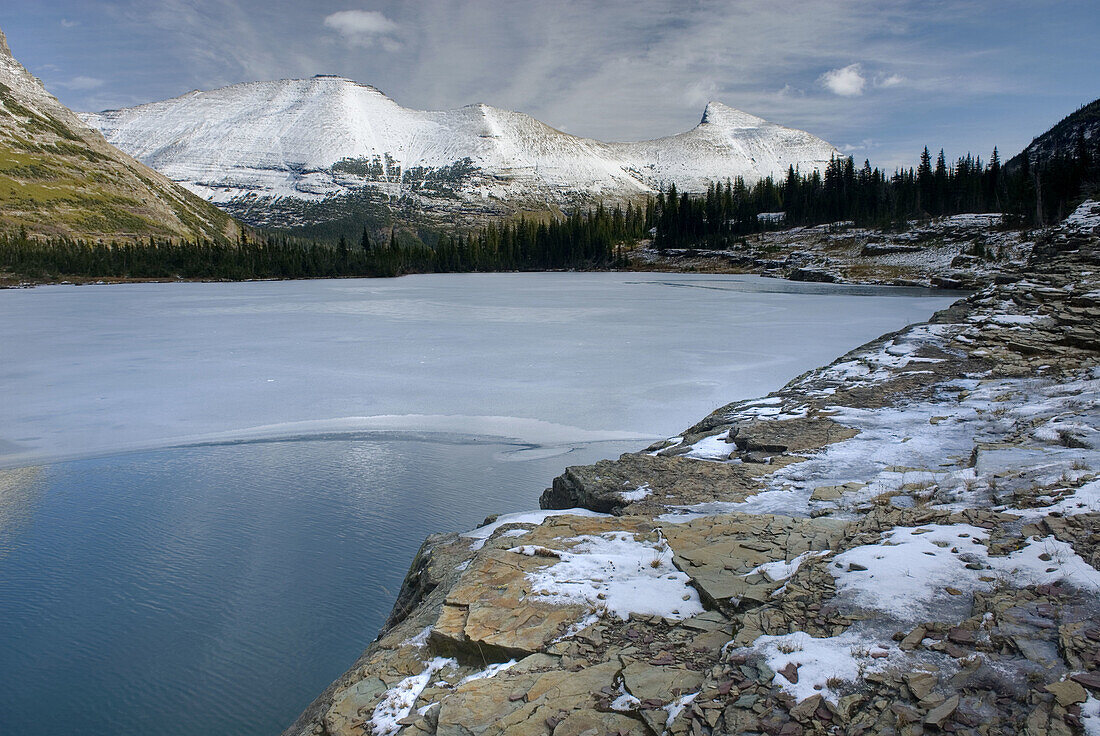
1091 680
1067 692
805 710
913 638
920 683
659 683
938 715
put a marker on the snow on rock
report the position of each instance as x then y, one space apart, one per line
1086 217
637 494
1083 500
491 671
625 702
908 573
616 572
715 447
781 569
821 663
419 640
314 138
677 706
531 518
1090 716
398 701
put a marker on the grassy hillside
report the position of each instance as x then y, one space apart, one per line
60 178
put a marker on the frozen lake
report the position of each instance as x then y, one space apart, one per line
211 492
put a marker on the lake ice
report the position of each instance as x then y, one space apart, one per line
548 359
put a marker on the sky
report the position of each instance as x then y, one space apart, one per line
879 79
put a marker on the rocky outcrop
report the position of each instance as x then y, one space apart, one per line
958 252
902 542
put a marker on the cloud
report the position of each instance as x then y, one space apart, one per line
80 83
66 23
847 81
701 92
620 69
364 26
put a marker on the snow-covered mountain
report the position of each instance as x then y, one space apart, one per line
253 148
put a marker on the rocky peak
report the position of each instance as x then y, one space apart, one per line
728 117
4 50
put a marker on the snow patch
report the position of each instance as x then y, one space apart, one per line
637 494
419 640
534 518
906 574
618 573
398 701
842 658
491 671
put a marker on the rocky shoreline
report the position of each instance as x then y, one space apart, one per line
957 252
903 542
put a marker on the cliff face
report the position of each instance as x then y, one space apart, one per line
902 542
59 177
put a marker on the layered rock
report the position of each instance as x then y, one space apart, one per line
902 542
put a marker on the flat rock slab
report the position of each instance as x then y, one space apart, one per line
492 605
789 435
721 554
676 480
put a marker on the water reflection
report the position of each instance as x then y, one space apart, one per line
21 491
219 588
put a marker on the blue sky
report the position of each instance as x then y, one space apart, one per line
878 79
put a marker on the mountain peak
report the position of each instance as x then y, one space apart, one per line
718 114
471 162
4 50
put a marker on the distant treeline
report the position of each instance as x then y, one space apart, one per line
581 241
590 240
1034 193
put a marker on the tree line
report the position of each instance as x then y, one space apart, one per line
1035 193
593 239
587 240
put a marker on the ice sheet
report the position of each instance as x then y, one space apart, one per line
538 358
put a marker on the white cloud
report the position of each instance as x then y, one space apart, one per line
364 26
80 83
701 92
66 23
847 81
892 80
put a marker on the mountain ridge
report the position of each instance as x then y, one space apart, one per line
310 140
1079 128
61 178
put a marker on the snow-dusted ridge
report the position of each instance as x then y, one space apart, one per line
311 139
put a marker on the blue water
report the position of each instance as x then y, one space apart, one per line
218 589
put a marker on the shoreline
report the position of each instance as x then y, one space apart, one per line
759 523
934 254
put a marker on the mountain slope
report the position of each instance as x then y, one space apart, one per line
253 148
59 177
1082 126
